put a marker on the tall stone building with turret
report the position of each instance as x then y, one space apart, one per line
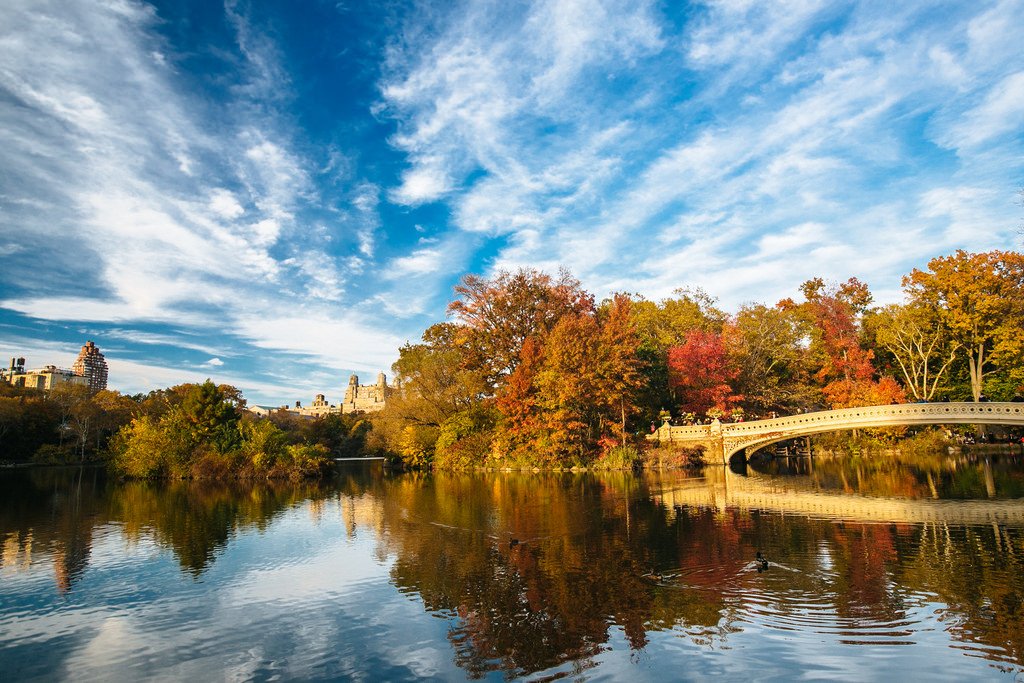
365 398
92 365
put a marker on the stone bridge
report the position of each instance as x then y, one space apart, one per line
723 440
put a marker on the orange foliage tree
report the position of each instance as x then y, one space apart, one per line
845 368
497 316
978 299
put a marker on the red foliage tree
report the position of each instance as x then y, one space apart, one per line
700 373
846 370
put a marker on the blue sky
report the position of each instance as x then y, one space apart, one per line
276 195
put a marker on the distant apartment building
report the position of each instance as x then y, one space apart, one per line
44 378
90 370
93 366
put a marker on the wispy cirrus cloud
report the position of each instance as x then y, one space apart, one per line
835 100
168 208
307 204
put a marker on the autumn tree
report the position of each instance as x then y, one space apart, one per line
497 316
765 346
834 313
661 325
569 389
619 365
70 399
668 322
844 368
700 373
920 347
518 402
83 421
11 411
978 300
434 382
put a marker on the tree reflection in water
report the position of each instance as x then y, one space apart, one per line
56 510
540 571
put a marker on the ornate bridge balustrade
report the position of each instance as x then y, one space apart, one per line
725 440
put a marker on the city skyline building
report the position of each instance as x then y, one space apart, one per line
44 378
92 365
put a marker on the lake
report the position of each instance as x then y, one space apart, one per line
877 568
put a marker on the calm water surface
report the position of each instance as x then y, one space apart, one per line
878 569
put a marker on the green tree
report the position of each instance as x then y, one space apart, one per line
263 443
465 439
920 347
660 326
209 416
146 449
668 323
433 382
765 345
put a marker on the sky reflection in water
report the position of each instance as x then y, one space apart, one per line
454 576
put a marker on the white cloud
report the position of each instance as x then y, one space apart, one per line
741 146
315 334
225 204
214 363
179 339
966 215
799 238
425 182
1000 113
420 262
141 206
789 173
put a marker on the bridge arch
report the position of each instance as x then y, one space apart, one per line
726 440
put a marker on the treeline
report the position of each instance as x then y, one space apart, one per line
186 431
532 371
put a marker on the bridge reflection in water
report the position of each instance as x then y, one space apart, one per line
723 440
722 488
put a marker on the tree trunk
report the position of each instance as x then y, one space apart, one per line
622 410
976 363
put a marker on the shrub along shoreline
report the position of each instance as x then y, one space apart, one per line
189 431
202 432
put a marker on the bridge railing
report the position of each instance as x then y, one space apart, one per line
851 418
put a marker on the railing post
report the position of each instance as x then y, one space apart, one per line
666 430
717 441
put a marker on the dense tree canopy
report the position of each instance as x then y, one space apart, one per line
531 372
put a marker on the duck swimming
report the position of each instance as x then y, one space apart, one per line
762 562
